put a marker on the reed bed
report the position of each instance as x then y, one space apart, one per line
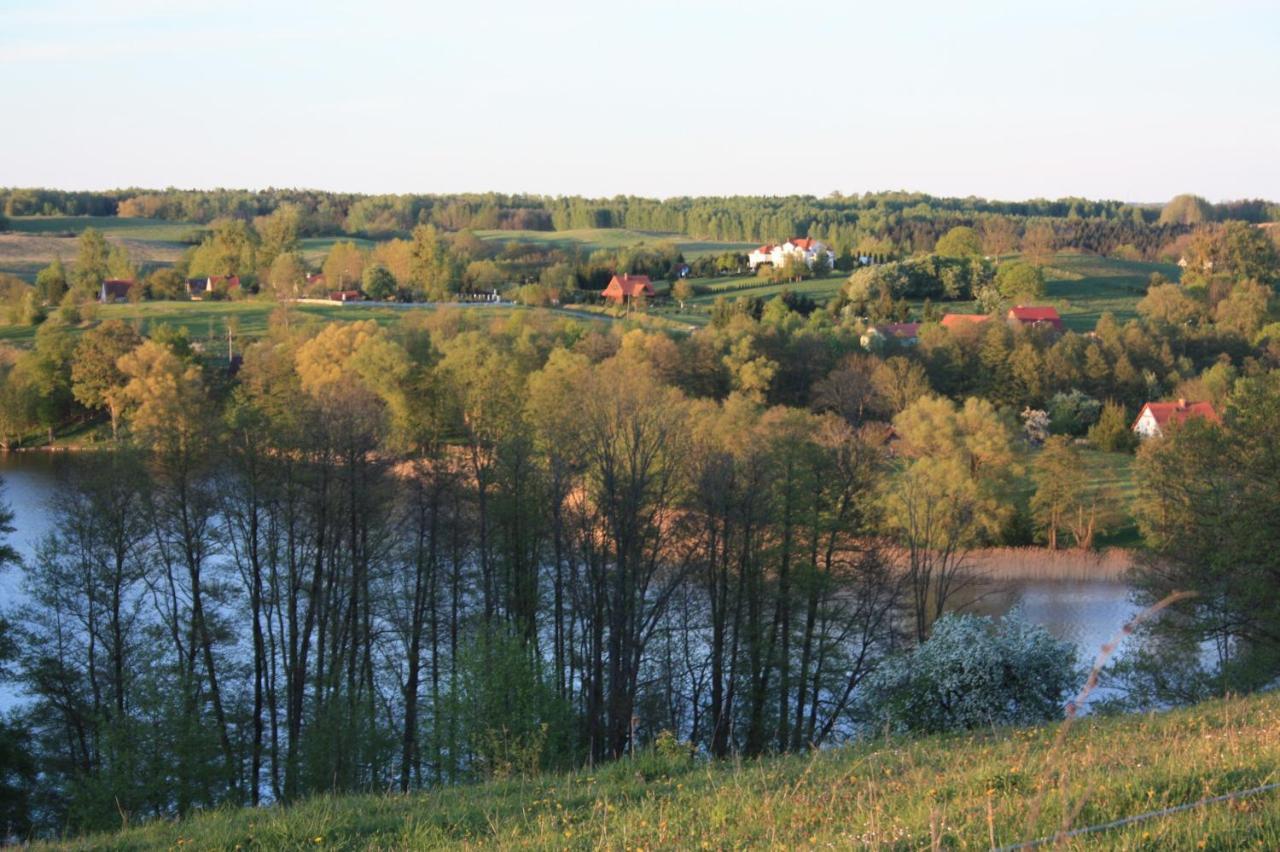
1040 563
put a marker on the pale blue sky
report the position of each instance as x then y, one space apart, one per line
1137 100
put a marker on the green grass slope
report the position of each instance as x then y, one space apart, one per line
963 792
591 239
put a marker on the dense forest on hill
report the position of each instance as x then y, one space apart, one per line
912 221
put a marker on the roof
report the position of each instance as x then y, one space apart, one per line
627 286
344 295
899 329
805 244
117 285
1033 314
231 280
1177 412
957 320
765 249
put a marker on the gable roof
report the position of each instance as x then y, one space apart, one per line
957 320
805 244
899 329
1165 413
1032 315
116 287
627 286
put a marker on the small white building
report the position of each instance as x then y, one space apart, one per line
807 251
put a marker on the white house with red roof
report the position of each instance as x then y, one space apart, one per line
1155 417
807 251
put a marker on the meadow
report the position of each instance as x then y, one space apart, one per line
985 789
209 321
32 242
588 240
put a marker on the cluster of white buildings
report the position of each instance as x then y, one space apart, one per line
804 251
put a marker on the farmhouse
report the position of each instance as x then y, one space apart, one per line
623 288
807 251
115 290
1155 417
903 332
199 288
954 321
1036 317
345 296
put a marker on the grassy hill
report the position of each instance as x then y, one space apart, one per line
32 242
973 791
591 239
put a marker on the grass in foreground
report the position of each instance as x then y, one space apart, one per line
965 792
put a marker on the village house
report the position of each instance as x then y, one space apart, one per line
807 251
1036 317
903 332
345 296
624 288
1155 417
199 288
115 290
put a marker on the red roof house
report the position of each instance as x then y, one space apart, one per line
344 296
1035 316
961 320
626 287
1155 417
115 290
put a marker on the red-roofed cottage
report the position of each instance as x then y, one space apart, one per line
344 296
115 290
1036 317
624 288
1156 416
903 332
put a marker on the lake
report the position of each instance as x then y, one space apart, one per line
1086 613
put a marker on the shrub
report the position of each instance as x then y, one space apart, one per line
1073 413
1112 433
970 673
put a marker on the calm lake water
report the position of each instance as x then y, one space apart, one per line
1085 613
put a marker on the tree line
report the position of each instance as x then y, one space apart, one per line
910 221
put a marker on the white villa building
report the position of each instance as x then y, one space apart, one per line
805 250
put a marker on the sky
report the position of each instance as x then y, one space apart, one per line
1135 101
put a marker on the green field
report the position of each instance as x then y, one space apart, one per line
973 791
157 230
1084 286
314 249
34 241
208 320
591 239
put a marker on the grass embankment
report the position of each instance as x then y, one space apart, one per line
973 791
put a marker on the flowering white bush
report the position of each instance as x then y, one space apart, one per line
1035 426
970 673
